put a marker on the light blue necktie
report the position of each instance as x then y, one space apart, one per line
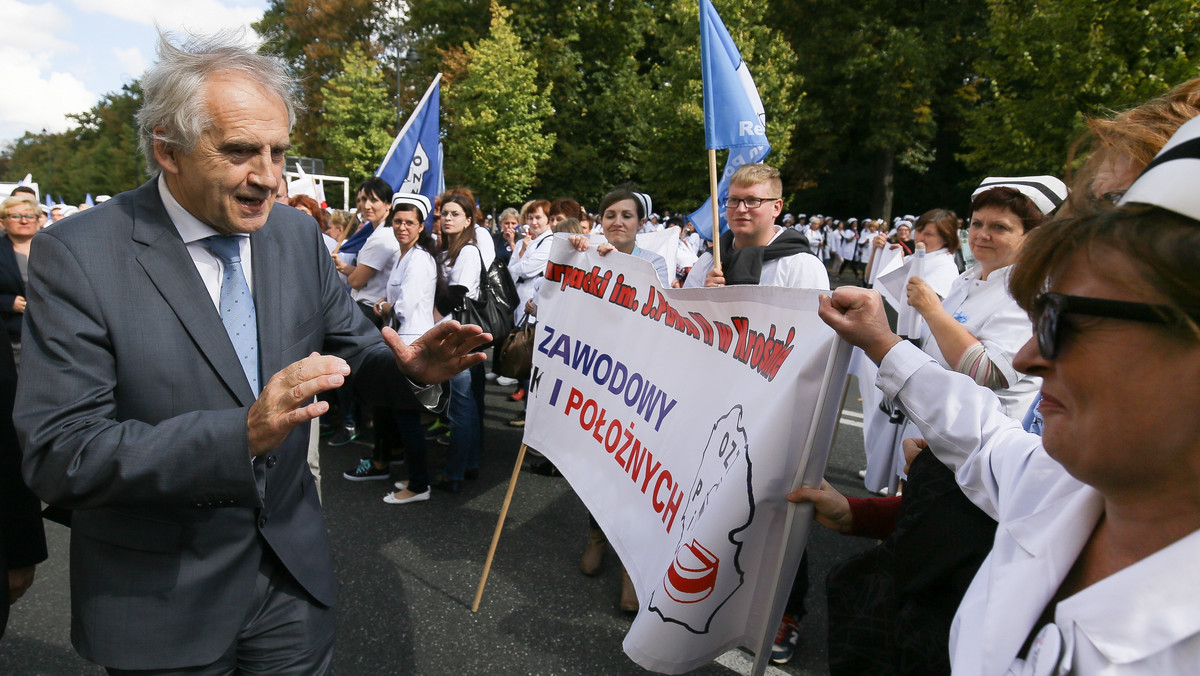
237 305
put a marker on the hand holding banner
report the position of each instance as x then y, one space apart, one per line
685 468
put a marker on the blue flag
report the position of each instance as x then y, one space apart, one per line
414 162
733 112
49 203
89 201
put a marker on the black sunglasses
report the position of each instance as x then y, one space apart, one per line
1052 328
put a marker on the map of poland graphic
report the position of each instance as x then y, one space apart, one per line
706 572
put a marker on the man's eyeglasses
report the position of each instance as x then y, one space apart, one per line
749 202
1052 328
22 217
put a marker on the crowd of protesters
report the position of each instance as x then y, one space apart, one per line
1037 287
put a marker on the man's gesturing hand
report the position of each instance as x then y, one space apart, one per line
439 353
282 406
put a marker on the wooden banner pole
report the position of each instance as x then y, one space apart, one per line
487 564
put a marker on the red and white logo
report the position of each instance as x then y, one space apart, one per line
720 506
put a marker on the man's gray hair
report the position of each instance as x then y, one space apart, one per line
174 88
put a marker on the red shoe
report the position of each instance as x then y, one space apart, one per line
518 395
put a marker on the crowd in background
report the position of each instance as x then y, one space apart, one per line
409 263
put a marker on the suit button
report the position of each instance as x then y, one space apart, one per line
262 522
270 461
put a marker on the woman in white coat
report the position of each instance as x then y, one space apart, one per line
1093 565
463 263
621 211
978 328
408 308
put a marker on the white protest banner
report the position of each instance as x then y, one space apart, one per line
682 417
664 242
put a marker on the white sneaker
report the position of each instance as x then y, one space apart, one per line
391 499
862 474
506 381
490 375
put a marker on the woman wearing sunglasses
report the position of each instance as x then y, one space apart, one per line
1092 569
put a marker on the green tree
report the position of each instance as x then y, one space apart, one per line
356 117
883 79
313 37
97 155
494 115
1050 65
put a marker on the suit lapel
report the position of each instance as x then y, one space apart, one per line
166 261
267 301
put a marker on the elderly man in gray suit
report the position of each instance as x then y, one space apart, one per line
175 338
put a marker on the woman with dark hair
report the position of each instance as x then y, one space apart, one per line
365 260
408 308
621 214
463 264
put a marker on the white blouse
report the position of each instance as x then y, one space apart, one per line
410 290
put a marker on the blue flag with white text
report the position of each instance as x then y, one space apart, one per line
733 112
414 162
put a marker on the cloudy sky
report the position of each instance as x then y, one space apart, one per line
60 57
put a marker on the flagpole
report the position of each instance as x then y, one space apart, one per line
487 564
716 219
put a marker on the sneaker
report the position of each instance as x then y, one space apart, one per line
343 436
391 498
505 381
518 395
443 438
367 471
785 640
862 474
437 429
490 376
518 421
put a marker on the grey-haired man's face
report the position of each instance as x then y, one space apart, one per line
230 178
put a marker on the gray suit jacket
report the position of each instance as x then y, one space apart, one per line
132 412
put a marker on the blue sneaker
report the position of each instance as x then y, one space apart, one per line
785 640
367 471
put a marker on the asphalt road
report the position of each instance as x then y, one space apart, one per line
408 576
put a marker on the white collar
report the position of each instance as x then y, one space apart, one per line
1157 608
190 228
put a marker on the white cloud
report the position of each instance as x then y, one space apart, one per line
203 16
34 28
60 55
132 63
43 98
44 94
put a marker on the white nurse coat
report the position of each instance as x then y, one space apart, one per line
1144 619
